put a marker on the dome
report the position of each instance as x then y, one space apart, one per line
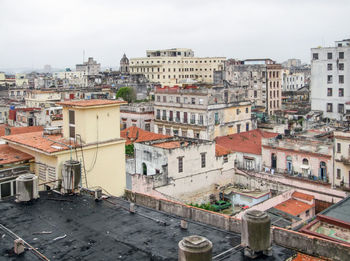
124 60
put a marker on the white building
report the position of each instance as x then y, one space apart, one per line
91 67
330 73
292 81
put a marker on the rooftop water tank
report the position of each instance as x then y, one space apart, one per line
27 188
71 176
195 248
255 235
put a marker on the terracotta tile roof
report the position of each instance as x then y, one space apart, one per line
20 130
170 144
135 134
293 207
247 142
10 155
303 257
301 195
221 151
88 103
36 140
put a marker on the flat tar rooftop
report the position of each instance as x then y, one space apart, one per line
79 228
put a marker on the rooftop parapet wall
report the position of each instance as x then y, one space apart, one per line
290 239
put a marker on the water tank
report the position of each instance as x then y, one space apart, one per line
71 176
255 234
195 248
27 188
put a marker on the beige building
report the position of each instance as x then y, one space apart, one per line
91 135
342 159
200 112
274 88
176 66
42 99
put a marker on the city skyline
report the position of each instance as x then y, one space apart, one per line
58 32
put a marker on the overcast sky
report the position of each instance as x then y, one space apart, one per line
38 32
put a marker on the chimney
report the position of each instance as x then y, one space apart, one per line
195 248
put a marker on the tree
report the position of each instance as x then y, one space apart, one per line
127 93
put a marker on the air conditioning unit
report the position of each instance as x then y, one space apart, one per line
27 188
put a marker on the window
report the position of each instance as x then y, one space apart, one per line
158 98
341 92
329 78
158 115
148 127
238 128
329 92
216 117
338 173
341 78
171 116
193 118
341 67
200 101
185 117
247 126
315 56
71 124
177 99
305 162
340 108
307 213
225 158
238 111
246 110
193 100
341 55
329 56
338 148
180 164
329 107
164 115
177 116
203 160
255 94
329 67
201 119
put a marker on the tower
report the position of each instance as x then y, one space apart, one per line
124 64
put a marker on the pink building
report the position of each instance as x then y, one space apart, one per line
303 157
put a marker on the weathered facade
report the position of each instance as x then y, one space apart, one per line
140 115
182 168
203 113
299 156
342 159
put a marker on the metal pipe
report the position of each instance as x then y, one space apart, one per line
26 243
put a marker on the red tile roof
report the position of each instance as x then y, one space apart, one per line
36 140
247 142
293 207
170 144
10 155
20 130
134 134
88 103
221 151
301 195
303 257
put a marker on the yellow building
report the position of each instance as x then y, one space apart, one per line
91 135
342 159
176 66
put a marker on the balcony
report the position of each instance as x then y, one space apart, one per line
177 119
164 118
345 161
193 121
171 119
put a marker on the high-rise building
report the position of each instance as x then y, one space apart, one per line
176 66
330 74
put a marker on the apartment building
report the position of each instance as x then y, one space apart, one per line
176 66
342 159
140 115
330 73
91 67
292 81
200 112
260 78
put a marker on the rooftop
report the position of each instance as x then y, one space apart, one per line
339 211
89 103
301 195
78 227
293 207
10 155
221 151
135 134
36 140
247 192
19 130
246 142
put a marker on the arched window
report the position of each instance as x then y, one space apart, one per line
144 169
305 162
